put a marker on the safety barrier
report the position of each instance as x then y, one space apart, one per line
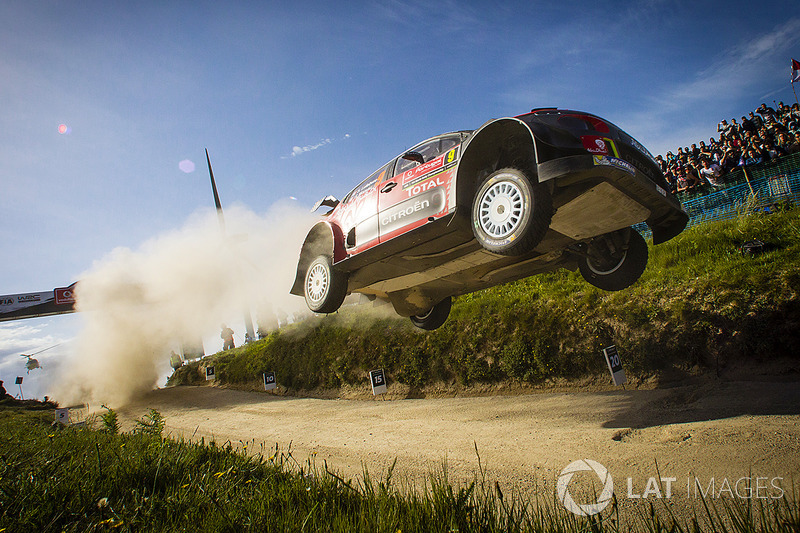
760 187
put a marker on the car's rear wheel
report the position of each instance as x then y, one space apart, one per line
435 317
511 213
615 260
325 287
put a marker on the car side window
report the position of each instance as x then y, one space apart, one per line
367 184
450 142
429 150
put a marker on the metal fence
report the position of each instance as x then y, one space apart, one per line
761 186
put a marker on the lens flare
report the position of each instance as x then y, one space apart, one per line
63 129
186 166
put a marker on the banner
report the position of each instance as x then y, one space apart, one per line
33 304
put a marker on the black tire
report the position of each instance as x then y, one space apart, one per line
511 213
435 317
614 261
324 287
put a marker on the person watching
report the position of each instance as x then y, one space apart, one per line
712 173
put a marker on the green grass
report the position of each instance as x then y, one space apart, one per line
85 479
700 304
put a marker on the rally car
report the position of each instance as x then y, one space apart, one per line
468 210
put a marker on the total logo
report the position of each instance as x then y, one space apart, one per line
585 509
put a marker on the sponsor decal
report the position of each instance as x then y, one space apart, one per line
423 172
27 298
599 145
411 210
602 160
6 301
65 295
451 155
422 186
636 144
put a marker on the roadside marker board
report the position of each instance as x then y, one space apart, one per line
210 373
269 381
62 416
615 365
378 380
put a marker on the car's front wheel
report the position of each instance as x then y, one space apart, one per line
511 213
614 261
435 317
325 287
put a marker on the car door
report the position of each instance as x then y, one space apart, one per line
359 215
418 188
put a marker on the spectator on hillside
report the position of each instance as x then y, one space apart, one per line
748 125
783 141
750 158
764 110
687 179
793 119
712 173
730 159
756 120
772 151
672 181
227 337
793 146
724 129
762 137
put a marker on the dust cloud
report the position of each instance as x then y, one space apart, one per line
179 287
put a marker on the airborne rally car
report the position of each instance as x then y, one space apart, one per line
471 209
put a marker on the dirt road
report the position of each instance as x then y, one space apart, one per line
712 431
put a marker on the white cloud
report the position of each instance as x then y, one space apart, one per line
300 150
16 338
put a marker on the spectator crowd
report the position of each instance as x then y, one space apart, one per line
763 136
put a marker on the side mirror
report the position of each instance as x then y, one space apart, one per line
414 156
328 201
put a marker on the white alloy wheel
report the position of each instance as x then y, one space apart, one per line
317 282
511 212
500 210
325 287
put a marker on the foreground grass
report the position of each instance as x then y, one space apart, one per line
700 304
81 479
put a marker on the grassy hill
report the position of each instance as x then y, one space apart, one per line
701 305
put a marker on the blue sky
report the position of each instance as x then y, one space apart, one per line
304 99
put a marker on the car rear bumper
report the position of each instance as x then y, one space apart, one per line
574 175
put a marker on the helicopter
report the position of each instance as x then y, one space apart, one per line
33 364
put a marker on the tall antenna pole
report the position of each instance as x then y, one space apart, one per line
216 195
248 320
